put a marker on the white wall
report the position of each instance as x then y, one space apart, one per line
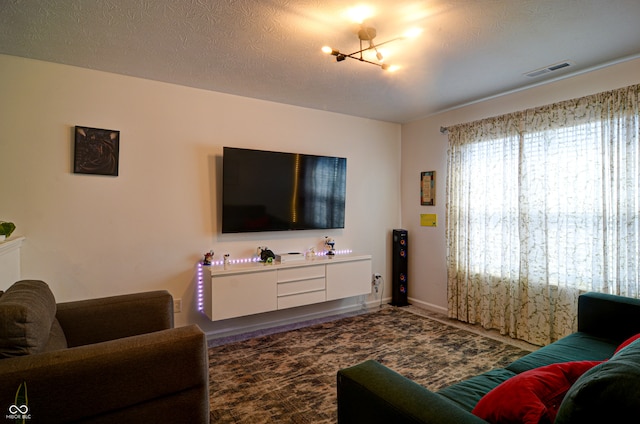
424 148
90 236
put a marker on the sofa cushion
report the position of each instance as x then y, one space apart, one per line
467 393
531 397
57 339
609 392
27 313
574 347
627 342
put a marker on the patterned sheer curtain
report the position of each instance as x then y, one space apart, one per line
543 205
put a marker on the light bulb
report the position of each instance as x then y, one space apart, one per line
412 33
359 14
390 68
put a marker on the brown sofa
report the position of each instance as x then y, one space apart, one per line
115 359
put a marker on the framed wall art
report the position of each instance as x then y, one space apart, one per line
96 151
428 188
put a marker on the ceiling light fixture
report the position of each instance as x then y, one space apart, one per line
366 34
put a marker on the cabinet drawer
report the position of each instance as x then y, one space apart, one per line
301 273
292 301
303 286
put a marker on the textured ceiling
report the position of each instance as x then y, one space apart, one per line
270 49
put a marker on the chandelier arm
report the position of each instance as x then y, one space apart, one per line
359 52
362 60
386 42
372 47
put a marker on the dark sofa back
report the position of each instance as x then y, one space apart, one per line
608 316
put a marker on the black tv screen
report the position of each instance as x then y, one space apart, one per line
276 191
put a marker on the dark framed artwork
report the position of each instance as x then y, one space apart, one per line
96 151
428 188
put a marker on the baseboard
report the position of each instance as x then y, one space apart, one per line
428 306
374 304
419 303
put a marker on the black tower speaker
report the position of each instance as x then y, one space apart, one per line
400 281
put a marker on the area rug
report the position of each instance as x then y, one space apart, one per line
290 377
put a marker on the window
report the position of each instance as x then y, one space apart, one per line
542 205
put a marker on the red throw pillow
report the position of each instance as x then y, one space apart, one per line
627 343
533 396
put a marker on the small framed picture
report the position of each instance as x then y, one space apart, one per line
428 188
96 151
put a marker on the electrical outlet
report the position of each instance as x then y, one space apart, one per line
177 305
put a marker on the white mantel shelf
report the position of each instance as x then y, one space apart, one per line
10 244
10 261
251 288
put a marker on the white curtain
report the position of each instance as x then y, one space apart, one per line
543 205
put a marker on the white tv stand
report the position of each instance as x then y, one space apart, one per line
253 288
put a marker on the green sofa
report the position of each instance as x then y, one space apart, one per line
114 359
599 365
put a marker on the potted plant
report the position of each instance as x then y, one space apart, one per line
6 228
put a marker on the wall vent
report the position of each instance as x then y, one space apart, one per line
548 69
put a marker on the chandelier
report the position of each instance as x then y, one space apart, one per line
366 35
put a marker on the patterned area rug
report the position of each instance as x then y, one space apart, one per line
291 377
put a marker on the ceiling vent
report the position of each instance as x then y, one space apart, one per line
549 69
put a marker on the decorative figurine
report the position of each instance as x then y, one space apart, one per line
311 253
266 255
208 258
330 243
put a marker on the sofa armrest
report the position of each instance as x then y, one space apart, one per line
136 378
372 393
608 316
109 318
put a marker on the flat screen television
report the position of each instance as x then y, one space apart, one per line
277 191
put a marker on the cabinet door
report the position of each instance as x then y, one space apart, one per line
346 279
241 294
